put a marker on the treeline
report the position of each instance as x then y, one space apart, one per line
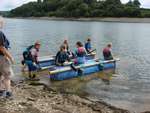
4 13
80 8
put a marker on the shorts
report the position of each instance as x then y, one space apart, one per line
5 68
31 66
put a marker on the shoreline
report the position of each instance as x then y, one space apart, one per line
107 19
38 98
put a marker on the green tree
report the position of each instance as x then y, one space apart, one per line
80 8
84 10
113 2
89 1
39 1
113 8
130 3
136 3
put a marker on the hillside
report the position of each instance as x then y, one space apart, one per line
80 8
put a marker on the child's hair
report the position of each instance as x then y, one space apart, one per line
109 45
88 39
62 47
65 41
79 44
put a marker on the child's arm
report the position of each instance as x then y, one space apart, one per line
6 53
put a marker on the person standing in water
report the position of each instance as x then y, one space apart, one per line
107 52
5 65
30 56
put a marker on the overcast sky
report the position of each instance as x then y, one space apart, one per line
10 4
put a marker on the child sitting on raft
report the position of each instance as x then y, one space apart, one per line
67 49
107 52
62 56
80 54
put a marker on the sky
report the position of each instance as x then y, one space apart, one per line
10 4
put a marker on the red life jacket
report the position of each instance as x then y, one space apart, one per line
81 52
107 52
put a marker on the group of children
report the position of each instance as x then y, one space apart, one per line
63 56
31 54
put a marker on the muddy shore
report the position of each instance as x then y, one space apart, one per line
38 98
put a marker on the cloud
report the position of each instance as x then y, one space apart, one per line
10 4
144 3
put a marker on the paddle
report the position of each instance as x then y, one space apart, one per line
91 51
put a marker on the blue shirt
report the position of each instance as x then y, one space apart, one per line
88 46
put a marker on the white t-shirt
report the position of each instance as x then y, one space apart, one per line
34 52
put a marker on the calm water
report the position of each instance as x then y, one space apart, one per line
130 89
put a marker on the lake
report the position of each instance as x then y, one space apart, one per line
130 89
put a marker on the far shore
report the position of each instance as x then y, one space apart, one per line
106 19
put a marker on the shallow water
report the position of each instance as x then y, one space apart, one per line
129 90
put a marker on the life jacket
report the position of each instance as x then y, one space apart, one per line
107 53
27 53
61 57
81 52
5 40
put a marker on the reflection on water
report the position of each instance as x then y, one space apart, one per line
131 84
78 85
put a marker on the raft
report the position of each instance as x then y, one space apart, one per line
47 62
60 73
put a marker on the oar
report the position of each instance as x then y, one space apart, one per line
92 51
106 61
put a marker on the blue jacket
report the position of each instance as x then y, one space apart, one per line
88 46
